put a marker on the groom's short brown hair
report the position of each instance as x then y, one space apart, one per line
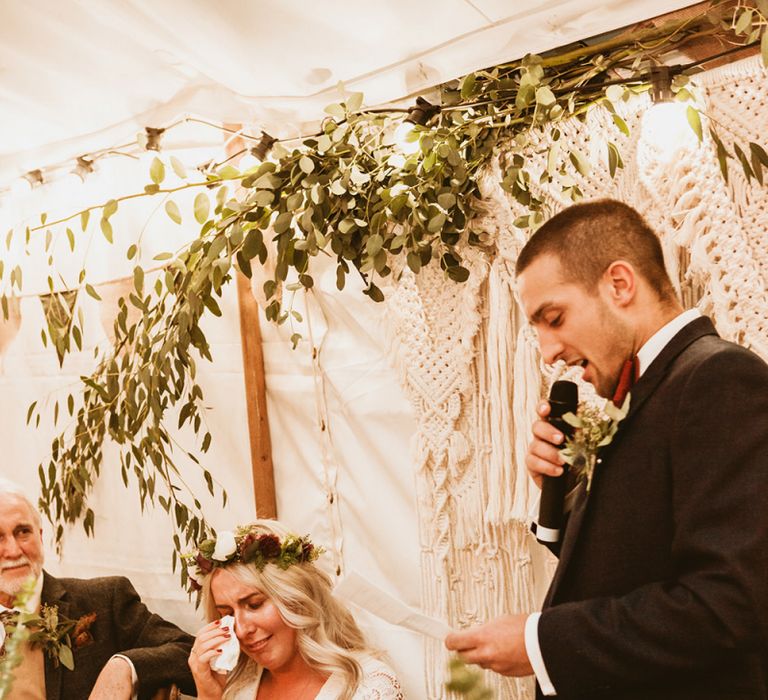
587 237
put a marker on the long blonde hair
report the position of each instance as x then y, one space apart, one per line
327 635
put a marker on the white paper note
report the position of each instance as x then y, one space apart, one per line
358 590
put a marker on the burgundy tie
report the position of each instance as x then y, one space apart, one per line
629 375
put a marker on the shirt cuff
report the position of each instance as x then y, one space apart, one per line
134 676
534 654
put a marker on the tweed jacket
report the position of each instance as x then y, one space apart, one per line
157 648
661 589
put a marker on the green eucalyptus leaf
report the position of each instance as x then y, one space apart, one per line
764 45
468 86
157 171
621 124
283 222
436 222
544 96
228 172
446 200
336 110
264 198
354 101
178 168
694 119
109 208
306 164
92 292
580 162
722 154
743 22
615 93
106 229
202 207
172 209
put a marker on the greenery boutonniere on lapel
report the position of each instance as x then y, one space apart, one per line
55 634
594 428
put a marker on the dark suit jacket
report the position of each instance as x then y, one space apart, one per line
157 648
661 590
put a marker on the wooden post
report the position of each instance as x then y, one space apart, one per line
255 386
256 401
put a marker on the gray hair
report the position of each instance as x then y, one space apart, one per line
11 488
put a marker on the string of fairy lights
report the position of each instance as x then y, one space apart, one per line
421 114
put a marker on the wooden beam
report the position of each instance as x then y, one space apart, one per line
256 401
255 386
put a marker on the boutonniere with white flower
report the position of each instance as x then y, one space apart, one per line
595 427
50 631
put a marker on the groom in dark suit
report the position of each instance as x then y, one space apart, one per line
120 649
661 590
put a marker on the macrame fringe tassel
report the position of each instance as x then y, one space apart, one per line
525 398
501 494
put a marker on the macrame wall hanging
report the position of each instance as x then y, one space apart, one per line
470 364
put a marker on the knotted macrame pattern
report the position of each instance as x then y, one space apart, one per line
471 367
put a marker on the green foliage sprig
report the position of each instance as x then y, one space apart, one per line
467 682
347 192
13 638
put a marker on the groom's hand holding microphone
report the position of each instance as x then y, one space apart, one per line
543 457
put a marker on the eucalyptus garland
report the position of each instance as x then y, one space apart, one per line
348 192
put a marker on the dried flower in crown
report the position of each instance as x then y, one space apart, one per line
247 545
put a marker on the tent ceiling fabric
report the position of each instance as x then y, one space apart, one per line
78 76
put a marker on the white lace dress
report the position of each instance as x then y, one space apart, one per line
379 683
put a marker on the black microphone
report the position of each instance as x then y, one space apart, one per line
563 398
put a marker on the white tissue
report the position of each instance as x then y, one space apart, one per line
230 652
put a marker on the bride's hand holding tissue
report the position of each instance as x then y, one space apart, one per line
275 629
207 648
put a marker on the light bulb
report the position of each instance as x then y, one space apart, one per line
666 129
404 138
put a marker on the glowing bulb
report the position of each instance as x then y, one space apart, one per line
406 140
666 129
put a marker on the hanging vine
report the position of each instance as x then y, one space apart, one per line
349 192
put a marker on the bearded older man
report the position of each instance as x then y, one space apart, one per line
125 652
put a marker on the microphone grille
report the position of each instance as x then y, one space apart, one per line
565 392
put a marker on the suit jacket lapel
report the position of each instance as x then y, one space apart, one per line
643 388
53 593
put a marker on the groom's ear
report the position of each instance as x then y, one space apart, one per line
620 282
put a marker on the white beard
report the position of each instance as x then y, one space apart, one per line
12 586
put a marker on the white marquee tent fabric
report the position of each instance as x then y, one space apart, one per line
79 76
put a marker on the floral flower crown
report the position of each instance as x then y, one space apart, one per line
247 545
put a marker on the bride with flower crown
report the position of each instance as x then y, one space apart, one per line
262 593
